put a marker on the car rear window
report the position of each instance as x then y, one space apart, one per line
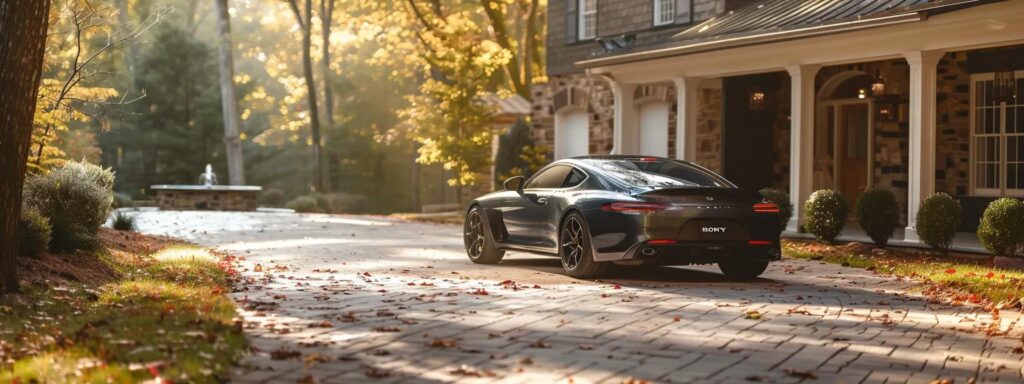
659 173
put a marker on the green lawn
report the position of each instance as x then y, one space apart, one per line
956 278
165 315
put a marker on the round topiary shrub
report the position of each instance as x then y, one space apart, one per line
33 233
825 214
1002 227
878 214
304 204
76 197
937 221
780 198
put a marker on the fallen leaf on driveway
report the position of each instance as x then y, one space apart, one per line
540 344
386 329
444 343
800 373
586 347
466 370
754 315
284 353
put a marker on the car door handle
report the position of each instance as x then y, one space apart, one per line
542 200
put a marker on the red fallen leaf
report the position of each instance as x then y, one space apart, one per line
540 344
386 329
604 295
385 313
799 373
325 324
411 284
443 343
950 271
426 284
676 319
616 286
535 286
480 291
507 282
366 274
990 275
284 353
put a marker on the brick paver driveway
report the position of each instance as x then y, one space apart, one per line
354 299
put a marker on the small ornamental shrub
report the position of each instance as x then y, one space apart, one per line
33 233
76 197
123 222
825 214
304 204
1002 227
878 214
937 221
272 198
341 203
780 198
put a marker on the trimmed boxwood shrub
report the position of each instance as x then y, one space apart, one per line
937 221
1002 227
33 233
272 198
878 214
825 214
304 204
76 198
780 198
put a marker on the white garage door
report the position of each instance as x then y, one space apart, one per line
654 129
572 134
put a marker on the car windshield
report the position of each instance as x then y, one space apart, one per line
659 173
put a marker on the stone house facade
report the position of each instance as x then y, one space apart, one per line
914 96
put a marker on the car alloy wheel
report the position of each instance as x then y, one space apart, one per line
475 235
572 244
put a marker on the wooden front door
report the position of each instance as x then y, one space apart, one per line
852 151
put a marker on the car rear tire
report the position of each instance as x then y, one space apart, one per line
575 250
478 239
742 269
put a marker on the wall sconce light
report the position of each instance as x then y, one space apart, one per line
878 85
1004 82
757 99
862 93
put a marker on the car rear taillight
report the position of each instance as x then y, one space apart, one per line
661 242
634 207
766 208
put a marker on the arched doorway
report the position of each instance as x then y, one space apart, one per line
572 133
654 128
844 139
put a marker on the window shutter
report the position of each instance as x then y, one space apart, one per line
571 20
683 11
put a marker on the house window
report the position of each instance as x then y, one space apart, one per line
588 19
997 138
664 12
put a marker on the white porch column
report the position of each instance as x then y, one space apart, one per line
686 117
801 143
921 172
626 131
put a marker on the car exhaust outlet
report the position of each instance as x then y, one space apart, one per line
647 251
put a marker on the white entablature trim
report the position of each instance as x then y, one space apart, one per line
983 26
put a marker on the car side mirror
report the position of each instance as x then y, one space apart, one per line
514 183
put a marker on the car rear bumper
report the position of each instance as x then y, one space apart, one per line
683 253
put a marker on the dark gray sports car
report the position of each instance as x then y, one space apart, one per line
629 210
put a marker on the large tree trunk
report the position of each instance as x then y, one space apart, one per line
229 99
305 19
22 43
326 15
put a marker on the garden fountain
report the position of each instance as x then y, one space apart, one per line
207 195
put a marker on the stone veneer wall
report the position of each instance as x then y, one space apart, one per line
206 200
952 141
600 107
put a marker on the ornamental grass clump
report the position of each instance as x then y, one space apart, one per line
878 214
1002 227
123 222
76 197
937 221
780 198
825 214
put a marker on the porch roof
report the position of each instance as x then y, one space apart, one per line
778 20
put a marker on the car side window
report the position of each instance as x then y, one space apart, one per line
549 178
575 178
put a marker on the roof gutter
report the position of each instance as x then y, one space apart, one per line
763 38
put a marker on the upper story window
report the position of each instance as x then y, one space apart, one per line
997 138
664 12
588 19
